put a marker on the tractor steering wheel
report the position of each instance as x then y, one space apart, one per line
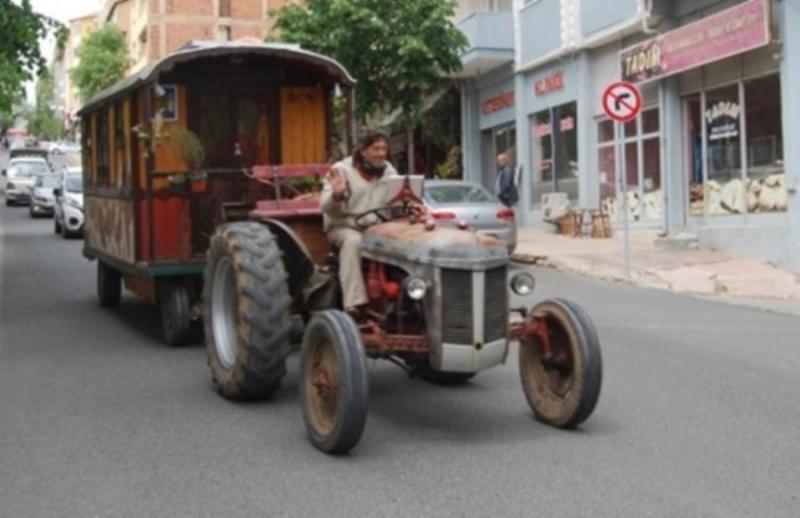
378 213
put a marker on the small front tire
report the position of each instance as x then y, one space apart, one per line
562 391
334 385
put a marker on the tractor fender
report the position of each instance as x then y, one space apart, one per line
297 259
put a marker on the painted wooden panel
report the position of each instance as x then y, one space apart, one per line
109 226
172 229
94 149
303 123
114 172
167 157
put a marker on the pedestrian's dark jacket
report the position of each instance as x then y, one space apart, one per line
505 189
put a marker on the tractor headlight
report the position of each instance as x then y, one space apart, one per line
522 284
415 288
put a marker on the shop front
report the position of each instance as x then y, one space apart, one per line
553 123
497 128
730 117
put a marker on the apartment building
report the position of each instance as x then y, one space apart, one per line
67 97
158 27
711 152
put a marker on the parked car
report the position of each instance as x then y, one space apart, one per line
42 197
458 202
62 147
19 175
68 209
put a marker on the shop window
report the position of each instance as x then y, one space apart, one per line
495 141
736 178
642 151
765 180
555 151
605 131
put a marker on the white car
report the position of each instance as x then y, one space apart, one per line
68 213
62 147
20 174
42 197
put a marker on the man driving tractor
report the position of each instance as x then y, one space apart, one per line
354 186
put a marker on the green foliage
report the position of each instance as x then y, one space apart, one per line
398 51
103 60
189 148
20 59
43 120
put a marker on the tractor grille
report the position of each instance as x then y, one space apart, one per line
458 312
457 327
495 321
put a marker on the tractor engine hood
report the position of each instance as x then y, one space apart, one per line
401 242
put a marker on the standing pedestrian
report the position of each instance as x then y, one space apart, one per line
504 185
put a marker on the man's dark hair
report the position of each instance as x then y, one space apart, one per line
366 141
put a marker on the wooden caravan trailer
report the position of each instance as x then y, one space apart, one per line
169 155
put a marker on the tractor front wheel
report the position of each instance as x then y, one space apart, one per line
560 365
334 385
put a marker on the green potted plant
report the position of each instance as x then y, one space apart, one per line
177 183
198 181
190 151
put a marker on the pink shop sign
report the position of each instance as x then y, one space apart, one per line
733 31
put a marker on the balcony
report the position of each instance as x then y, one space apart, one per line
491 42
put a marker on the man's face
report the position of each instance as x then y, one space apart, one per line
376 153
502 160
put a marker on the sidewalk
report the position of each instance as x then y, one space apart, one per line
705 273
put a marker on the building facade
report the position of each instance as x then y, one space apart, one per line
159 27
710 154
66 95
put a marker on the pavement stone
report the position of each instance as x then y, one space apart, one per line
701 272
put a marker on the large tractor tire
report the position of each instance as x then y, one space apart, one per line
562 391
334 384
176 312
109 285
246 311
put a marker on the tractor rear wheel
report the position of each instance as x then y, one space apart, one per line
334 385
563 388
246 311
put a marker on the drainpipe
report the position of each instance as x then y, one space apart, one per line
647 11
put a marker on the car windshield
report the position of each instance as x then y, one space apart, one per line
74 183
27 169
458 193
47 181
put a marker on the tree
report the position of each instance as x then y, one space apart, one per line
103 60
398 51
20 58
43 120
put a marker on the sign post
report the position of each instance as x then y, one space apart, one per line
622 102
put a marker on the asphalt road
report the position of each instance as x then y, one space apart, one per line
699 416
